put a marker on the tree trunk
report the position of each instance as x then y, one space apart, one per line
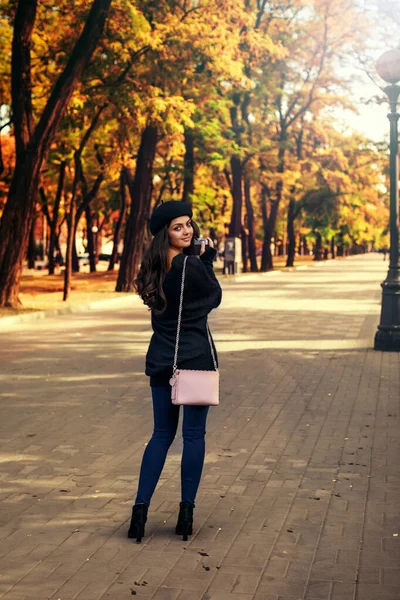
21 78
269 226
140 192
32 246
244 238
71 218
16 221
88 196
333 255
266 257
291 233
235 226
90 239
188 167
75 267
235 183
340 247
53 221
318 247
32 144
98 238
267 262
121 218
68 256
250 225
15 227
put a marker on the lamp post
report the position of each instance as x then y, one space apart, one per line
387 337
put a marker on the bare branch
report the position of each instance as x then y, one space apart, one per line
45 207
66 82
311 97
260 13
10 122
91 128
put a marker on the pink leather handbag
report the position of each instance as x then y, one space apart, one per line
200 388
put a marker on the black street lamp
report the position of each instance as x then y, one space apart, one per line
387 337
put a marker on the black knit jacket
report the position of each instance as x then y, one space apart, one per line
202 293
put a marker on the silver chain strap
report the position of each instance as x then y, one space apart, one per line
178 329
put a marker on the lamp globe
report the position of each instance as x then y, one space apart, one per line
388 66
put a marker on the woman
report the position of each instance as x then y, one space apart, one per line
159 285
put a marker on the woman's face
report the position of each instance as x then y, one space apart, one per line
180 232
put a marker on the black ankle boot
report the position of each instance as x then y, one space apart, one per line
185 520
139 518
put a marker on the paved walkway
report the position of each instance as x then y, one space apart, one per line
301 487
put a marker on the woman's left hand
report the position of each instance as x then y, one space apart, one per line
203 245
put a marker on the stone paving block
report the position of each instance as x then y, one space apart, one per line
39 578
252 561
13 572
187 595
89 582
12 541
299 569
334 572
187 582
201 572
277 567
240 549
222 582
389 576
164 593
245 584
318 590
282 587
370 575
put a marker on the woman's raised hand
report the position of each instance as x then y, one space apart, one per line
203 245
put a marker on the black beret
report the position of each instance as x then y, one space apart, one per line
167 212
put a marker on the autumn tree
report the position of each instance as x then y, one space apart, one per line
179 70
33 140
306 82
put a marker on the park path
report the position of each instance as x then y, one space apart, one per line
301 486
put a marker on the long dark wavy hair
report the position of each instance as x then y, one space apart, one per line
154 268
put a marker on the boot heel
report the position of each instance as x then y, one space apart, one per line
184 527
185 530
139 518
139 532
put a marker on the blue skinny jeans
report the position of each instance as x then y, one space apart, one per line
166 417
